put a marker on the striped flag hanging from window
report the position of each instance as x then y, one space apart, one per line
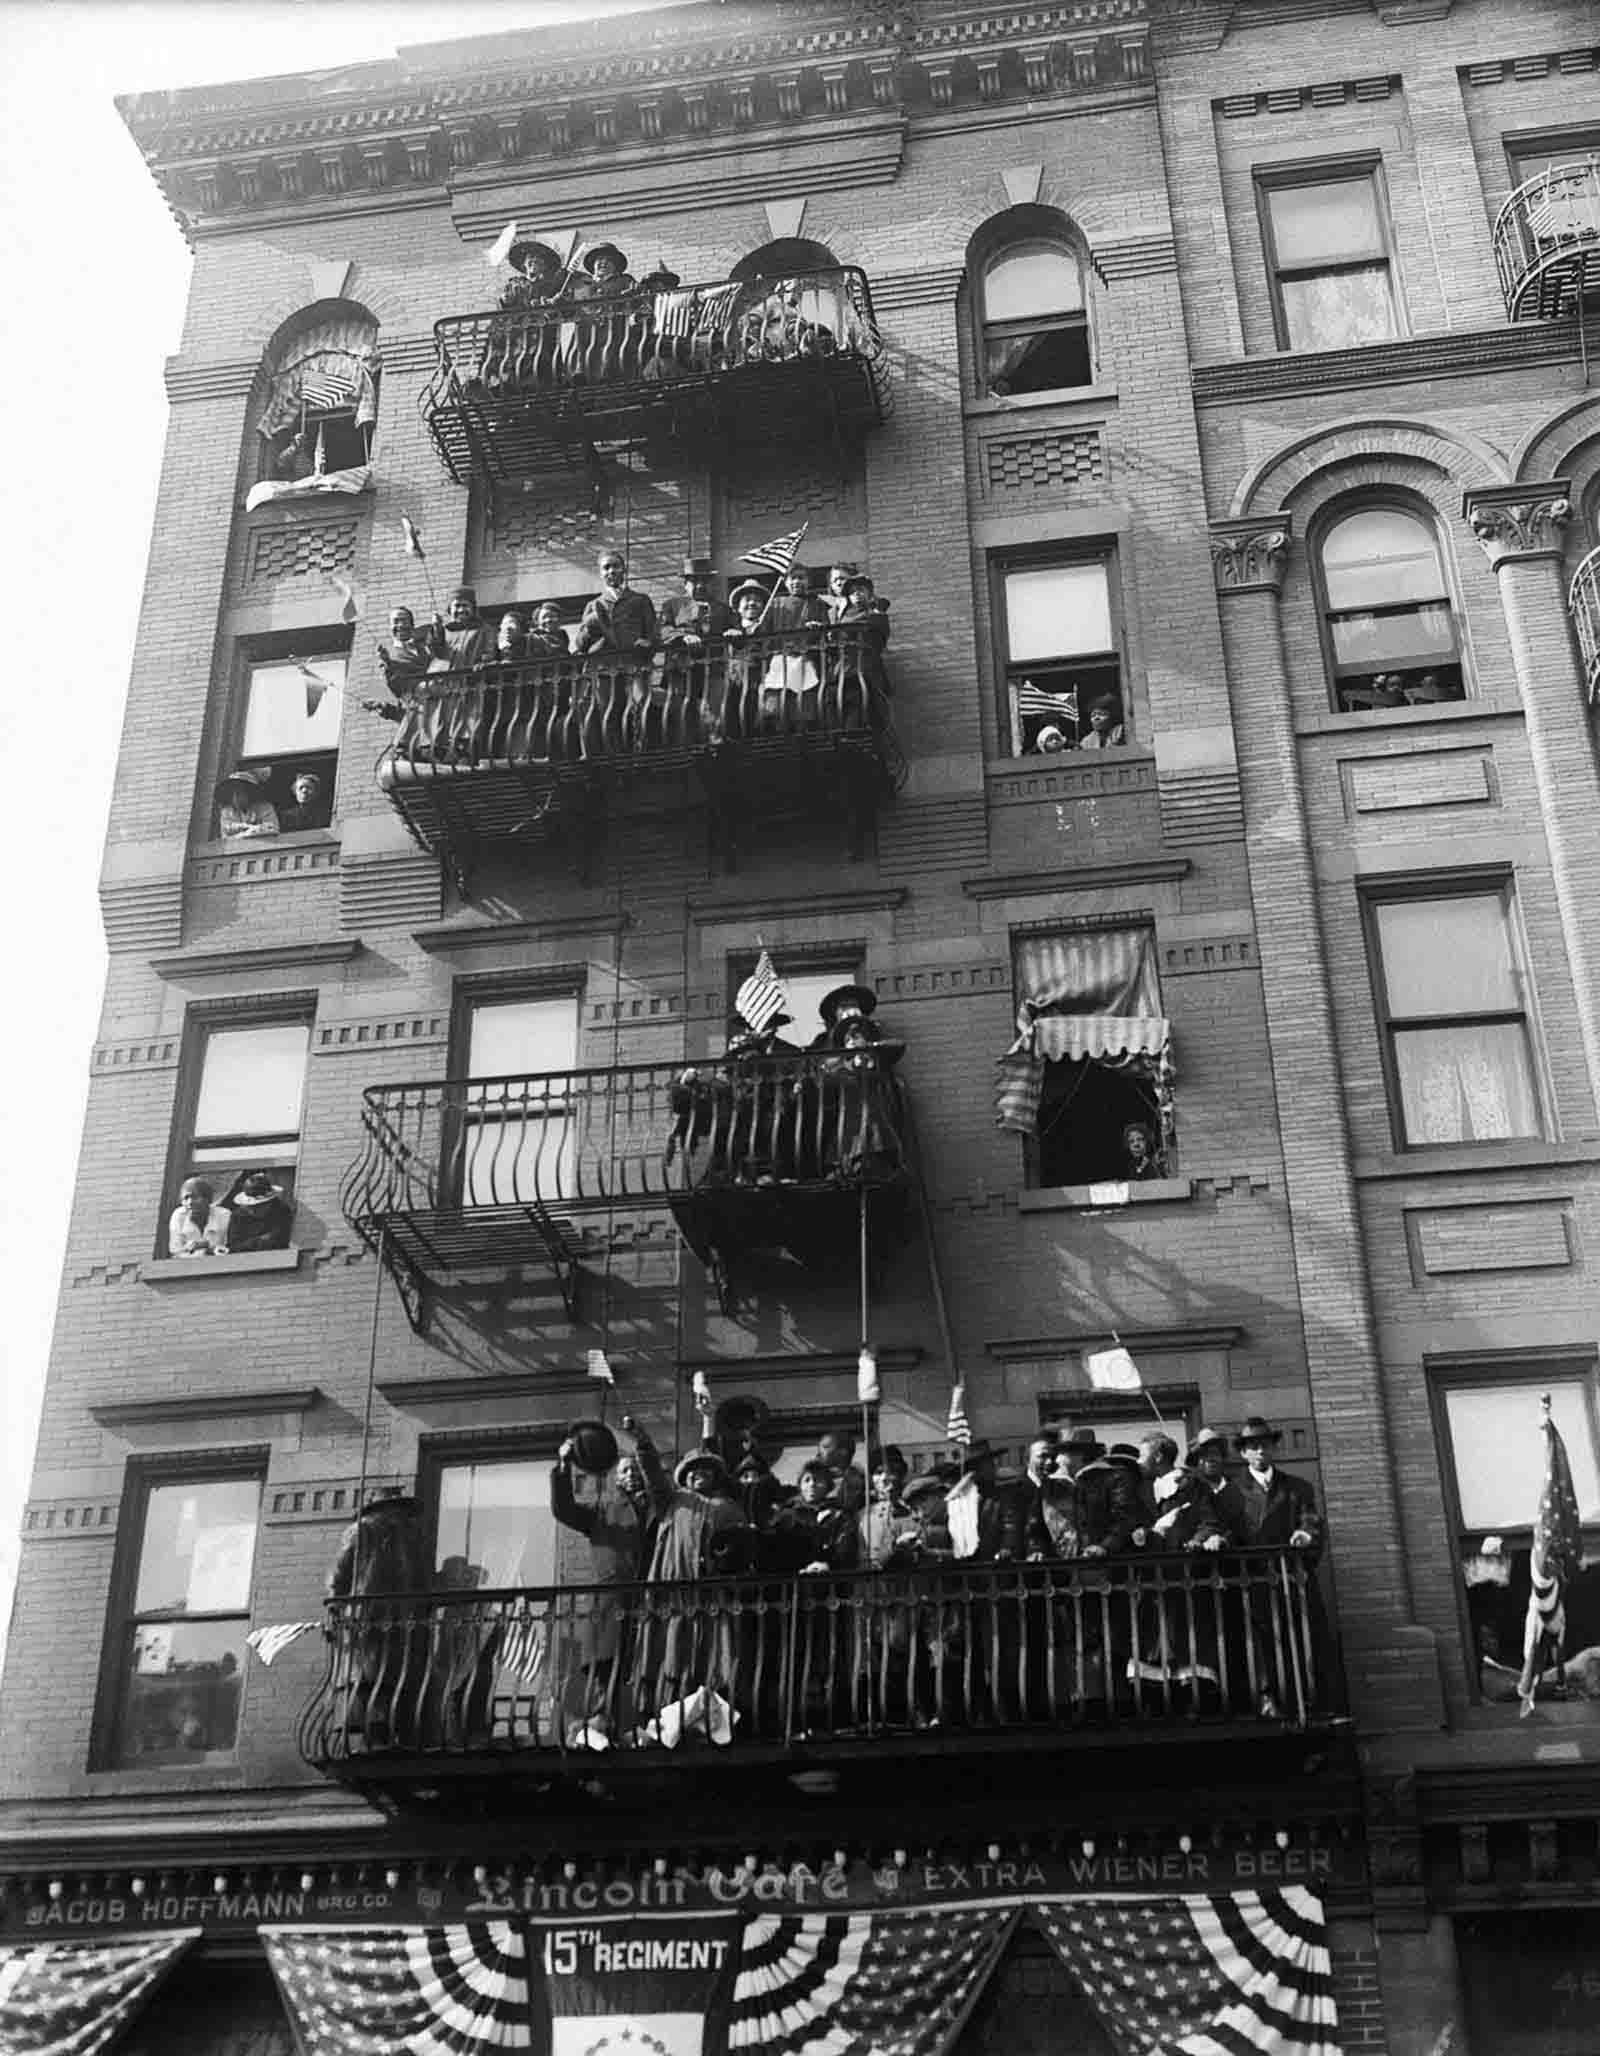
762 997
1557 1555
779 554
1033 699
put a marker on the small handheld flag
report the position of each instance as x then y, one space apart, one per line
867 1391
270 1643
1033 699
762 996
500 249
408 528
349 610
317 687
598 1368
779 554
1112 1370
958 1428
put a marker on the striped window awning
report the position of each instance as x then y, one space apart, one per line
1082 997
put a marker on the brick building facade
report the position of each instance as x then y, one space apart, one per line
1208 357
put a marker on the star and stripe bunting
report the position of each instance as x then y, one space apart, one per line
1243 1974
862 1984
75 1998
1557 1553
445 1991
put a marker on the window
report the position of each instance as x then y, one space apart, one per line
1328 257
319 403
1538 156
1455 1025
249 1084
517 1140
290 731
1059 639
1035 326
1494 1456
806 984
1391 636
492 1524
1088 1080
177 1650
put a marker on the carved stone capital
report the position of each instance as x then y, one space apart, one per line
1519 520
1250 556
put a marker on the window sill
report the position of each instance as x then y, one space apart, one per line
1054 1199
1409 717
1474 1159
190 1269
1063 396
245 845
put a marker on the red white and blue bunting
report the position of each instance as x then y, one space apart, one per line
447 1991
73 1998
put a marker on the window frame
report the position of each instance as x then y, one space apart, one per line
1075 322
200 1025
508 989
1535 1370
1327 171
1499 883
844 962
1582 140
537 1444
1331 517
1060 555
143 1478
280 647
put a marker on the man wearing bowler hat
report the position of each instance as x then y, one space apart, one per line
1275 1510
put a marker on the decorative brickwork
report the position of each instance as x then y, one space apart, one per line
1530 1236
1037 463
299 550
1290 99
1443 778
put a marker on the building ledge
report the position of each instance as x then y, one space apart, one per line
168 1270
207 1406
1063 399
1083 878
262 845
1053 1199
284 956
1387 719
1141 1341
1474 352
1475 1159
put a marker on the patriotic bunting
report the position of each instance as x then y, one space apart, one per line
644 1989
446 1991
1557 1554
75 1998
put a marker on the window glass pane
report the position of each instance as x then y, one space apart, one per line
198 1547
1338 310
1413 635
1380 557
180 1693
519 1036
1034 279
1499 1450
252 1080
1466 1084
497 1517
1325 224
277 721
806 989
1447 956
1058 610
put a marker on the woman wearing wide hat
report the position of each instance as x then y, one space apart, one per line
243 805
687 1639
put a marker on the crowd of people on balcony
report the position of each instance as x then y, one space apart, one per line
697 668
253 1214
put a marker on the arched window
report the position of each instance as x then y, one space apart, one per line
321 402
1390 626
788 257
1035 324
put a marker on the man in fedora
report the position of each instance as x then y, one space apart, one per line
1275 1510
690 619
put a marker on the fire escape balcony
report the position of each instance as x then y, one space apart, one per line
746 1152
1547 242
714 369
619 1681
1583 604
763 727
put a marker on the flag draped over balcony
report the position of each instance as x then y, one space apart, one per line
441 1991
1090 996
1557 1553
1248 1971
75 1998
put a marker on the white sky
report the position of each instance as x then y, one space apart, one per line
96 274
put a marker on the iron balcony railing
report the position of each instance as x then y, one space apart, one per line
767 357
1132 1644
455 1159
1583 604
1547 241
757 695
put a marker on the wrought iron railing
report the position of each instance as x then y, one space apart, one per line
1583 604
659 339
1547 241
1121 1643
761 693
577 1142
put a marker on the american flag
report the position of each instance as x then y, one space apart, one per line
598 1367
779 554
958 1428
1033 699
270 1643
762 996
430 1991
367 401
1243 1971
322 389
78 1996
862 1984
524 1644
716 308
675 312
1557 1553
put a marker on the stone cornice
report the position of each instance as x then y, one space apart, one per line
508 107
1523 520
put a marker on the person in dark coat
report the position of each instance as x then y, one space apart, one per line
813 1535
692 626
607 1518
1273 1509
690 620
797 608
259 1215
1091 1506
381 1658
618 621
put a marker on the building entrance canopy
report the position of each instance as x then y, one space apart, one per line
1247 1968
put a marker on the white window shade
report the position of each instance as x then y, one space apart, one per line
1031 280
1499 1450
517 1038
280 720
1057 610
1445 957
1381 557
253 1080
497 1517
1106 971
